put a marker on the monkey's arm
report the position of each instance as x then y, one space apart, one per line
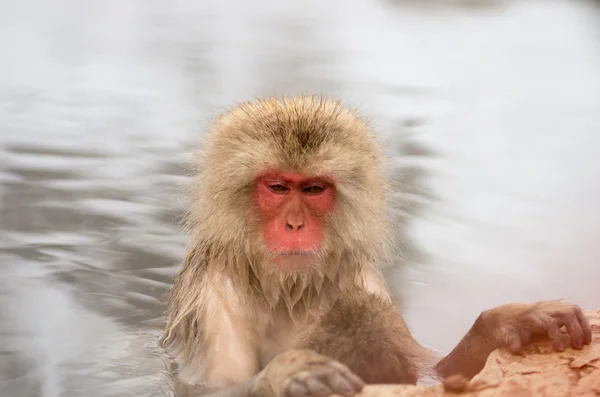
366 332
226 351
228 361
513 326
470 355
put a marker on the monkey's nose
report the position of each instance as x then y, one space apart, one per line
294 225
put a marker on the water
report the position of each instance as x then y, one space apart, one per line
488 108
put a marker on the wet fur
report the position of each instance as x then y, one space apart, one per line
386 339
315 135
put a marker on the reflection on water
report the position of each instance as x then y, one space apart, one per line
490 114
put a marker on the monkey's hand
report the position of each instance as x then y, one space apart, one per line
513 325
304 373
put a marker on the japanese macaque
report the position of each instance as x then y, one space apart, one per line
280 294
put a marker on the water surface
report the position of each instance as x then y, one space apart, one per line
489 110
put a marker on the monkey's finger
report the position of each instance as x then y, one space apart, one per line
557 337
341 385
354 380
525 335
514 343
585 326
316 388
296 389
574 330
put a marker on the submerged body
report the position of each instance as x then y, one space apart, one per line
280 293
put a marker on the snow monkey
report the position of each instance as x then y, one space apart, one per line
280 294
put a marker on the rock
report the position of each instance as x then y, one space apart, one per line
540 371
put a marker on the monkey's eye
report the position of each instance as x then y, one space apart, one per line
314 189
278 188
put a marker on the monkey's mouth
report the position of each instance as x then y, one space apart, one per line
294 260
296 253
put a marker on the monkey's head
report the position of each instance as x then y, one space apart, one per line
291 186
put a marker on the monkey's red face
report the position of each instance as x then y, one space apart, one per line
293 207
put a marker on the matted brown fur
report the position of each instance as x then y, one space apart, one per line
316 136
386 339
